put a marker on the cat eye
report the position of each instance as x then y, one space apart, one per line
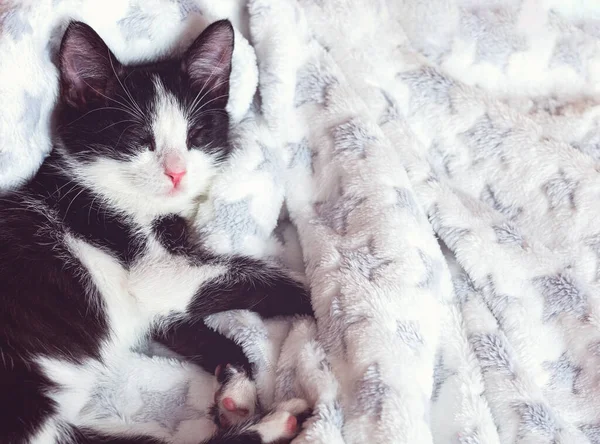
148 141
195 138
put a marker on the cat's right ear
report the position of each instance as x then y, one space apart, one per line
88 69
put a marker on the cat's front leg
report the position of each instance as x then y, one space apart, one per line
253 285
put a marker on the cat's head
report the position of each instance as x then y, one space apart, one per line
150 134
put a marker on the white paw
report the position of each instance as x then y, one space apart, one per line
284 423
236 397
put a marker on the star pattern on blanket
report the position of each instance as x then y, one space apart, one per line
440 160
168 408
405 201
592 432
330 413
495 33
31 111
535 419
135 22
464 288
302 155
448 234
427 86
593 242
410 333
363 260
392 111
338 327
14 22
496 302
492 353
269 163
590 143
353 138
492 198
441 373
187 7
560 191
563 373
485 139
567 51
561 296
371 392
507 233
468 437
432 272
313 85
236 220
335 213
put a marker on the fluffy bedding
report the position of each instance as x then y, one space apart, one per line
429 169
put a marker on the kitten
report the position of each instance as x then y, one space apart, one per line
96 256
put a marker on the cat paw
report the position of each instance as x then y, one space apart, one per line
235 399
284 423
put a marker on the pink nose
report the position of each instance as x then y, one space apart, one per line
175 176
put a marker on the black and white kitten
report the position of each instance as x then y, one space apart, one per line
96 256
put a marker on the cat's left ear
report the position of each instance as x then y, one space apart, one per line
88 69
208 63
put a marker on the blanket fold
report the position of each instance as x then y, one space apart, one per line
429 169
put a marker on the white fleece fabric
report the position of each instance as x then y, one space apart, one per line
429 169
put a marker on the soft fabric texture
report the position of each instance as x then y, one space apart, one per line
383 127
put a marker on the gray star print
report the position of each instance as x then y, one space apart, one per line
439 160
567 51
492 353
485 139
392 111
330 413
496 302
186 7
563 373
406 201
507 233
427 87
593 242
14 22
270 162
169 408
410 334
371 393
337 327
592 432
302 155
353 138
313 85
469 437
363 260
536 419
440 374
235 219
561 296
560 190
136 22
490 197
334 214
432 275
590 143
495 34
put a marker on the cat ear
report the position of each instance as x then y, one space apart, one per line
208 62
87 66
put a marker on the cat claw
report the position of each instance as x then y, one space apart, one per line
235 399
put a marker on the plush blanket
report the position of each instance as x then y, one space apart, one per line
430 169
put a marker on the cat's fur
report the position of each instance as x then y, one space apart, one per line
96 255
